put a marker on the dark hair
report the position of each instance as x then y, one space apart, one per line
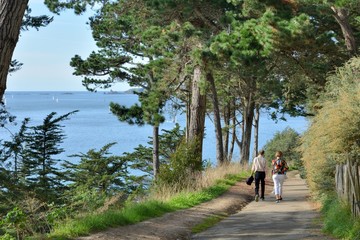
278 154
261 152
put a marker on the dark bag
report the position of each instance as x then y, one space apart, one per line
249 180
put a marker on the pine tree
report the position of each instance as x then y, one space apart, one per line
98 176
42 145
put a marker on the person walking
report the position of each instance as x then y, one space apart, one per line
259 169
279 168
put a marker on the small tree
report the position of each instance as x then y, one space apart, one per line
97 177
12 151
39 165
286 141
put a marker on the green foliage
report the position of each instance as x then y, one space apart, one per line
5 116
132 115
12 156
208 222
35 22
288 142
182 165
29 217
141 157
338 220
42 145
15 220
333 134
98 176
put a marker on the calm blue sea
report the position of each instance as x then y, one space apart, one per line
94 126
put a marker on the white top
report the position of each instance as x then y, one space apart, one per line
259 164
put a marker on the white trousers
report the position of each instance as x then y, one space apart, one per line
278 183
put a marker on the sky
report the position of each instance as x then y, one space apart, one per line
46 53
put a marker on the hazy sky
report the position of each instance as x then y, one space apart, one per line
46 53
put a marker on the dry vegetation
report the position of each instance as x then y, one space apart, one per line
197 182
334 131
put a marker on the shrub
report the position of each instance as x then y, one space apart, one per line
334 131
182 168
286 141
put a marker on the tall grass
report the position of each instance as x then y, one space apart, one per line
338 220
200 188
198 182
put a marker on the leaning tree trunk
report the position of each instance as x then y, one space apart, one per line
249 106
217 120
197 115
11 15
156 163
342 17
256 131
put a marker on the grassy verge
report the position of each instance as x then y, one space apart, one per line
338 220
208 222
138 212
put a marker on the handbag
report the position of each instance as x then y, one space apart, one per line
249 180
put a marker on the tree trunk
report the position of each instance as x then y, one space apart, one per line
156 163
188 113
226 136
256 131
217 120
11 15
233 127
197 114
249 106
342 17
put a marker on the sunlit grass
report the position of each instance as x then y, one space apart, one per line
338 220
212 183
208 222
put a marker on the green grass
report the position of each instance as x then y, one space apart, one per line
138 212
338 220
208 222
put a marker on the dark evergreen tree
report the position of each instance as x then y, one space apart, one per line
12 157
40 165
98 176
99 170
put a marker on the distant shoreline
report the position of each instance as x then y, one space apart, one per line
128 91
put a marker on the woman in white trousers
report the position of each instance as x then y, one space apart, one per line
279 170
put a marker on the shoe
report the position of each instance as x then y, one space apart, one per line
277 201
256 198
280 198
262 199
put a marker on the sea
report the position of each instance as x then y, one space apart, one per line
94 125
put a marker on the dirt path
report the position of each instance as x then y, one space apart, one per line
292 219
177 225
245 224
